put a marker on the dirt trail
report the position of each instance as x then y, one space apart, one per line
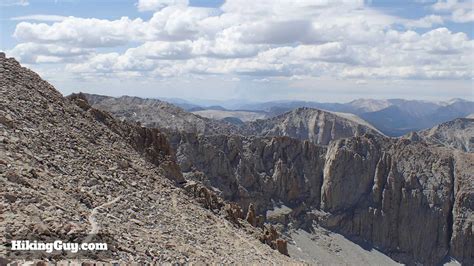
95 227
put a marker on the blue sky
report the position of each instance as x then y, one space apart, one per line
252 50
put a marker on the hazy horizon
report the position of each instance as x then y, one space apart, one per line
232 103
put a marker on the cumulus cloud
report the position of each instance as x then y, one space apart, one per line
172 23
48 53
340 39
81 32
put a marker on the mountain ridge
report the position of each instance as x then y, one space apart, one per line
321 125
456 134
415 114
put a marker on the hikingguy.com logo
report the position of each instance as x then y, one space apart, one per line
58 245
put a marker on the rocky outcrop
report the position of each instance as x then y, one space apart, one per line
233 213
455 134
251 216
270 237
150 142
317 126
75 173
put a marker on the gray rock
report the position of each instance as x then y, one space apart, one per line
455 134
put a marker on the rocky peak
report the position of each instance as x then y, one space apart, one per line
456 134
320 127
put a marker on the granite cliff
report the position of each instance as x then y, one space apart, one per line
369 188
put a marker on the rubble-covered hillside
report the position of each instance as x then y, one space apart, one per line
69 170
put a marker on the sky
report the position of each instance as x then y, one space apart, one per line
318 50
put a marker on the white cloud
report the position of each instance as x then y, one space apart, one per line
288 9
425 22
329 52
461 11
151 5
48 53
361 82
81 32
263 80
15 3
445 5
163 50
40 17
173 23
405 72
463 15
442 41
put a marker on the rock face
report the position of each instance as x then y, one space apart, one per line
376 191
462 239
253 169
456 134
68 171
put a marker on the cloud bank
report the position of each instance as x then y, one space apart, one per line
256 39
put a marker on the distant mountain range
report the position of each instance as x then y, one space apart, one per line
303 123
393 117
